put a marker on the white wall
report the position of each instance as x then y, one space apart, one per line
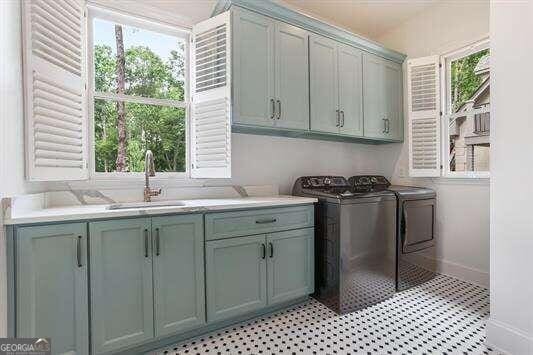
510 327
463 206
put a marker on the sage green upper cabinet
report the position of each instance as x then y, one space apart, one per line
236 276
51 286
392 79
253 69
324 84
382 98
336 84
292 77
178 254
121 283
270 72
290 264
350 91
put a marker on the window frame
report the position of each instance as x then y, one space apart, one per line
445 73
151 25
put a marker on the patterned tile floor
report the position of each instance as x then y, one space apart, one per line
442 316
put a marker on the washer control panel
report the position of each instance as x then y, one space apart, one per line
366 181
321 182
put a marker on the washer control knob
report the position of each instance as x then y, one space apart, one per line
327 181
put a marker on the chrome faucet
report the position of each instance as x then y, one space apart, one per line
149 170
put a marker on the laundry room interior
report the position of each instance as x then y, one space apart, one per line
266 176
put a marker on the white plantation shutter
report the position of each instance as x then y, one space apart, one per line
211 98
423 90
54 89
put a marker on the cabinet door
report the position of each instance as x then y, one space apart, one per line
290 264
51 286
323 84
178 251
350 90
292 77
236 276
253 68
392 82
121 283
373 98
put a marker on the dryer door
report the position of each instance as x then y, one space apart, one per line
418 225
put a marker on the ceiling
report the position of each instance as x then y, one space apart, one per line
193 10
369 18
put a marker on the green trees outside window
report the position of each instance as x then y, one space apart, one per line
134 62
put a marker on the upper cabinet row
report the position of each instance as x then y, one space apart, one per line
287 78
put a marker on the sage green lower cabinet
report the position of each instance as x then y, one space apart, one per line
235 276
121 284
179 290
290 265
51 286
248 273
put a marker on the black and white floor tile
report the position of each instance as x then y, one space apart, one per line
442 316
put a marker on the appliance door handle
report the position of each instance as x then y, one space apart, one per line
273 107
78 251
265 221
263 251
279 109
157 243
271 246
145 243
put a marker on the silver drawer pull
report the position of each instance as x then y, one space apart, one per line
264 221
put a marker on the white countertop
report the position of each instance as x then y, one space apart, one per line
89 212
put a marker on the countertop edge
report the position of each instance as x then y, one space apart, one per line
35 218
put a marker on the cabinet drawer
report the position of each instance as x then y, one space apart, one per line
240 223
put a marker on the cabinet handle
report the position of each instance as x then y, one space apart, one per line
273 103
279 109
271 246
387 125
146 243
264 221
78 251
263 251
384 125
157 245
342 118
338 118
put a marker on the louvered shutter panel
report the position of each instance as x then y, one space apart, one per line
55 95
211 98
423 90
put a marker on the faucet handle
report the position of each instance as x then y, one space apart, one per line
155 192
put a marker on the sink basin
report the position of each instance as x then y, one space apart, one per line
130 205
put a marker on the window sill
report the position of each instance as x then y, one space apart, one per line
454 180
122 182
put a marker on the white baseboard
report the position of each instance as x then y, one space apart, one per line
458 271
475 276
507 339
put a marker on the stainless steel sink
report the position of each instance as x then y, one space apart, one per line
130 205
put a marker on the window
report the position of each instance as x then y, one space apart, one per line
466 112
449 119
139 94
